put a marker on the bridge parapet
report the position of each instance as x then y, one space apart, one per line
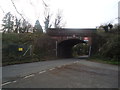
62 34
70 32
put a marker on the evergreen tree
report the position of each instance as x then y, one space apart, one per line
8 23
38 27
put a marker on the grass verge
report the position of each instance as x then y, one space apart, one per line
13 62
105 61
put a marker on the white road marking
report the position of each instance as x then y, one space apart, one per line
29 76
76 61
5 83
14 81
42 72
51 69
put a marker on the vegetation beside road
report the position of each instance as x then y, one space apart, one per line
106 46
104 60
42 48
23 42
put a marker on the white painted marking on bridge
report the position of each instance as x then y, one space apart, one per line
5 83
42 72
51 69
29 76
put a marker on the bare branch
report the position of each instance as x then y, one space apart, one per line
17 10
45 4
2 9
58 23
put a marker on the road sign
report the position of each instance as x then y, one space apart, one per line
86 39
20 49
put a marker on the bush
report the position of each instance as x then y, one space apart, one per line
42 47
107 45
111 48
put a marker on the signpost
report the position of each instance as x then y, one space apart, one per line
89 51
56 48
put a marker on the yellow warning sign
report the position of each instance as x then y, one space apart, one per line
20 49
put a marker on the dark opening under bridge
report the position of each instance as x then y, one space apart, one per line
66 38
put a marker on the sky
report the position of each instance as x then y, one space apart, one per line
75 13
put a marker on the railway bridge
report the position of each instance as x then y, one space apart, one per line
66 38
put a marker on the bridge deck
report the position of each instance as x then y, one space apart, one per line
71 31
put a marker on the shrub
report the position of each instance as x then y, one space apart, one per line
42 47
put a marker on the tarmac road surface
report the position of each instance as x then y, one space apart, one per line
64 73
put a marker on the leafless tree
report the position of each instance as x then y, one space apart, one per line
17 10
47 18
22 25
2 9
59 20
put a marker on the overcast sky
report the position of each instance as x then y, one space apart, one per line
76 13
